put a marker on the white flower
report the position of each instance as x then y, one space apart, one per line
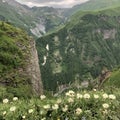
113 97
94 90
23 117
13 108
42 97
4 112
70 93
79 96
46 106
105 105
5 100
105 112
41 112
78 111
70 100
96 96
67 94
55 107
59 101
65 108
15 98
30 110
86 96
105 95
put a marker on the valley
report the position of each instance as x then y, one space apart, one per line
60 63
82 49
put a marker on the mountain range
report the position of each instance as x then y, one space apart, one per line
39 20
36 21
75 44
93 5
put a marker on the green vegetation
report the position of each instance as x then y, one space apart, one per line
93 5
30 18
87 44
14 52
95 105
8 13
71 56
113 81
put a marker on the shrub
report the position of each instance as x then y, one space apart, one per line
93 105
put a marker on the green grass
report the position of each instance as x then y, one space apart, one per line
94 5
14 49
95 105
114 80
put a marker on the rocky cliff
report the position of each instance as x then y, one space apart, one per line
19 66
34 70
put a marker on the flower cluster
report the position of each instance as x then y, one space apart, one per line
72 105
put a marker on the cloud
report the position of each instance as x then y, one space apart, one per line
53 3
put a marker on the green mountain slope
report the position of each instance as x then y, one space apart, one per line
81 49
36 21
93 5
12 14
39 20
16 61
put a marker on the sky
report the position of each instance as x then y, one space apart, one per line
52 3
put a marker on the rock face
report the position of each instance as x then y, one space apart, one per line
19 65
34 70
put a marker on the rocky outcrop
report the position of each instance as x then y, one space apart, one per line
39 30
19 65
109 34
34 70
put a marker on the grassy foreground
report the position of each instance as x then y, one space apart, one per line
92 105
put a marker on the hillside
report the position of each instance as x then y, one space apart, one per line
113 81
19 68
93 5
36 21
80 50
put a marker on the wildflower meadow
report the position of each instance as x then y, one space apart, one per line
92 105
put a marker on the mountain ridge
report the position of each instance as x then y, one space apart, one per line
93 5
36 21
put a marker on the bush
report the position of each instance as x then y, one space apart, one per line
93 105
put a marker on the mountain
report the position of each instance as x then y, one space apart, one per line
93 5
80 50
19 68
48 18
36 21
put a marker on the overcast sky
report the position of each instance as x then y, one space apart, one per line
53 3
